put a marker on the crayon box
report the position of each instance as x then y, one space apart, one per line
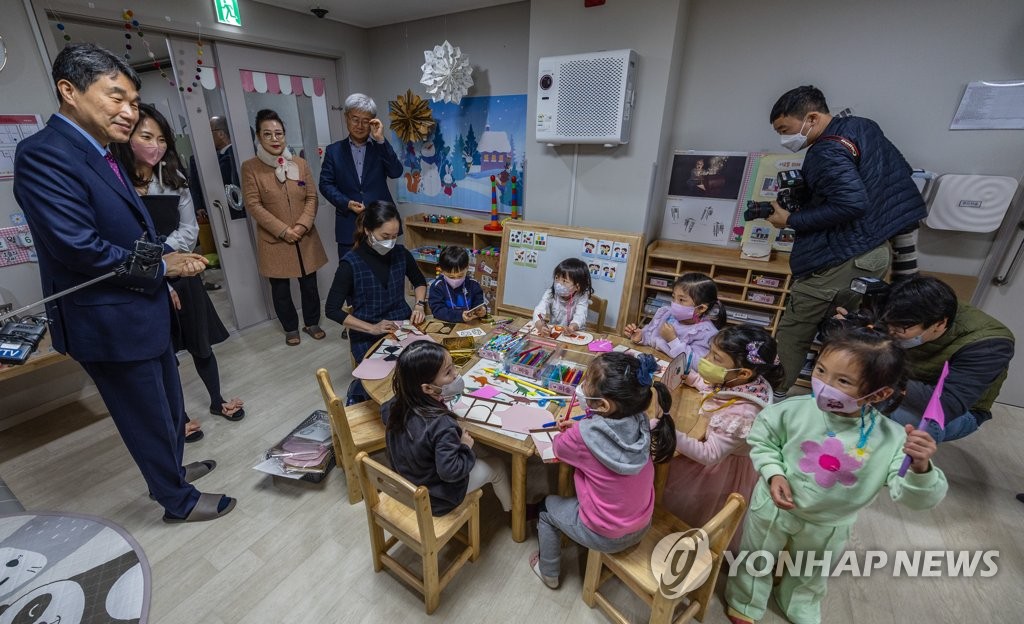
530 357
564 373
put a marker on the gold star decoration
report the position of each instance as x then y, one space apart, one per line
411 117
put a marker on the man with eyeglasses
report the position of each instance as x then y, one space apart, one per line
355 170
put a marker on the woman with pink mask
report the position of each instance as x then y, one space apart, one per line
155 169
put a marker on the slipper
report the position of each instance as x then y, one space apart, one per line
315 332
195 436
550 581
211 286
195 470
292 338
234 416
205 509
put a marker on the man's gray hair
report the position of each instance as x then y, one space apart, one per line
362 103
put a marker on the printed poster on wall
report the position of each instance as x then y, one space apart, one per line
472 141
13 130
704 192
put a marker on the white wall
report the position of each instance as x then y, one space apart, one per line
903 64
27 89
496 40
612 184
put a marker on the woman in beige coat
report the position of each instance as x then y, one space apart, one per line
281 197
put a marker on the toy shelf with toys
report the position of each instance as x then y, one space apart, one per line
427 234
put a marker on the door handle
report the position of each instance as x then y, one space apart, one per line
1004 279
224 223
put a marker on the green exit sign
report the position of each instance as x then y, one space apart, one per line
227 12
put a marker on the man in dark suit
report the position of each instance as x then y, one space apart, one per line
85 218
226 159
355 170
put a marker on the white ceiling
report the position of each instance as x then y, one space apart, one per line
370 13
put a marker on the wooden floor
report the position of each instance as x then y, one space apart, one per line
294 552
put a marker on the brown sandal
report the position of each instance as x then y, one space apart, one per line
292 338
315 332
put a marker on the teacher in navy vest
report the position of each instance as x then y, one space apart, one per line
355 170
85 218
372 277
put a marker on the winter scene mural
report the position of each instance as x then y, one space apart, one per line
471 141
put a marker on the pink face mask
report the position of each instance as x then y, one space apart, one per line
453 282
830 399
681 312
149 154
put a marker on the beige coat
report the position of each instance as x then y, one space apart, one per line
276 206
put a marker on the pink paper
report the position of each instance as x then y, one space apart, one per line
600 346
934 409
486 392
411 338
522 418
371 369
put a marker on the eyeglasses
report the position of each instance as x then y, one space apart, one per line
272 135
359 121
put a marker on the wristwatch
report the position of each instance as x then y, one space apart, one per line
421 303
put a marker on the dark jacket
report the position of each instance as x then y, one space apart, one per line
856 204
978 348
448 304
339 182
430 452
85 221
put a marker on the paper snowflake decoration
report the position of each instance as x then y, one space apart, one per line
446 73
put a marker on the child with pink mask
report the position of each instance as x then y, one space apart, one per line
454 296
821 458
688 323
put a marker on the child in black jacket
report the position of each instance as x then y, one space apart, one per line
424 443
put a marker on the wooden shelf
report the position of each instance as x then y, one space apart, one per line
734 275
470 233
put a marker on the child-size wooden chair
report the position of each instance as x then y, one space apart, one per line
633 567
354 428
599 306
395 505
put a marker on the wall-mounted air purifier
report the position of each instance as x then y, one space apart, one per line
586 98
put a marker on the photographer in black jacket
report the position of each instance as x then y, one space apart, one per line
861 195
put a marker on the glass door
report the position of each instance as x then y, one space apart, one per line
215 167
299 88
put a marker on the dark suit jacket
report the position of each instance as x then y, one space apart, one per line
85 222
339 182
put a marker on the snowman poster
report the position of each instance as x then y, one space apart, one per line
472 141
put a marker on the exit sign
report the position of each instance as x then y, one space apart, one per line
227 12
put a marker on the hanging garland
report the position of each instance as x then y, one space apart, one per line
411 117
131 23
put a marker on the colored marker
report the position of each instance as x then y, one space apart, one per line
553 423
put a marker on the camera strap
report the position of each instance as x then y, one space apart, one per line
847 143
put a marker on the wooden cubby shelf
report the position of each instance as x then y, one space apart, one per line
735 277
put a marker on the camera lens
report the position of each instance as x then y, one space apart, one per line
546 81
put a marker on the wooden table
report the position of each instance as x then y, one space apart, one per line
39 359
684 402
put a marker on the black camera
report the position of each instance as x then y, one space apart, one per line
790 196
144 261
19 339
872 293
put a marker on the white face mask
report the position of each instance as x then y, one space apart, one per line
382 246
794 142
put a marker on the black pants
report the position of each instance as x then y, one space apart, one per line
343 248
280 291
145 402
